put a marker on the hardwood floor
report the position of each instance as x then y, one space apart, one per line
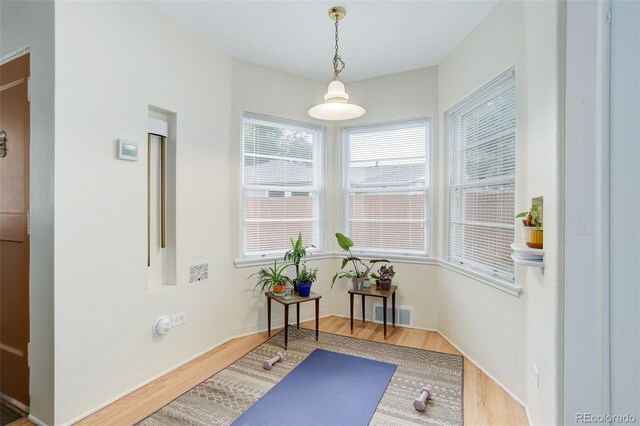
485 403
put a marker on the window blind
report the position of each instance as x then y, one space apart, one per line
281 184
387 186
482 153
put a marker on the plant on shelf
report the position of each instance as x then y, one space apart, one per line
306 278
360 269
297 252
532 221
273 278
384 276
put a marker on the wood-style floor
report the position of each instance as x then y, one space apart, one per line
485 403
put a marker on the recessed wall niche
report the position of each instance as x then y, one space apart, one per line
161 199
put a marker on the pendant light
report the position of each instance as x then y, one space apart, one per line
336 106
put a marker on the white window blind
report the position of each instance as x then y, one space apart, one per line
387 186
281 184
482 165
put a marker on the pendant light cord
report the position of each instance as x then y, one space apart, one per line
338 63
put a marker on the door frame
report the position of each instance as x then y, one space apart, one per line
15 55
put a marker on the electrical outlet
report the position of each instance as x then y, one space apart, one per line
178 319
536 375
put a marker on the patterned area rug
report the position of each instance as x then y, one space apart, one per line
222 398
8 413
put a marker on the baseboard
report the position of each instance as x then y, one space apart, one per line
261 329
175 367
505 388
33 419
526 410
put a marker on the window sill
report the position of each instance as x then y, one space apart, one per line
501 285
266 260
498 284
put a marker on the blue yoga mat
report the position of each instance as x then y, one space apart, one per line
327 388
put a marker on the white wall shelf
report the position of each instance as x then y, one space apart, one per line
527 256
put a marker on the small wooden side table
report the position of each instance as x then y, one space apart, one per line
384 295
297 300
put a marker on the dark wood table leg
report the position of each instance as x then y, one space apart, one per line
363 308
269 315
298 314
393 308
351 310
286 326
317 318
384 315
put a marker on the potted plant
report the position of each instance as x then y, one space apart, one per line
360 269
273 278
295 255
305 279
384 276
532 232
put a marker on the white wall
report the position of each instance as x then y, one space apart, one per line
401 96
261 90
128 57
486 323
625 237
586 334
31 24
545 156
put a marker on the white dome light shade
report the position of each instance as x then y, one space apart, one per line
336 107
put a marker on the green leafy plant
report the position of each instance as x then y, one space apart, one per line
307 275
297 252
360 269
533 217
384 273
273 275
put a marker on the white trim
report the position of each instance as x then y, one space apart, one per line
265 260
464 354
33 419
15 54
318 174
505 286
427 190
167 371
501 285
526 411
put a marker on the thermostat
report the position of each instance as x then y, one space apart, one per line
127 150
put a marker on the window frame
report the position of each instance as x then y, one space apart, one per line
318 173
504 281
428 189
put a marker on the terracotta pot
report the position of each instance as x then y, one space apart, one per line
278 288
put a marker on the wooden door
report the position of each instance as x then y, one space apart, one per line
14 238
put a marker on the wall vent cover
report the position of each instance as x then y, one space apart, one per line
404 315
198 273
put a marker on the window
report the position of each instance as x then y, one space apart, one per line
386 186
482 164
281 184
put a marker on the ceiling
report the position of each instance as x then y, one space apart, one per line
376 37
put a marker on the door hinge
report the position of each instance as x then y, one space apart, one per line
28 222
609 16
29 354
29 89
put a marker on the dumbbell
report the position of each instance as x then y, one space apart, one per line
268 363
421 402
